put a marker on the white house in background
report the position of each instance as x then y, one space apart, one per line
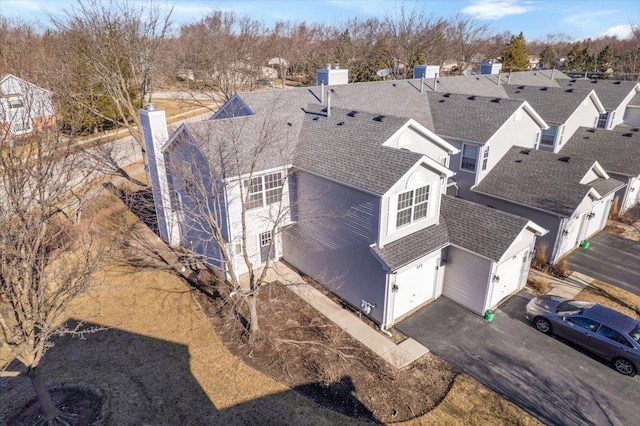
363 195
24 107
564 110
621 100
569 196
618 152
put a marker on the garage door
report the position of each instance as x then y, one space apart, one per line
466 278
575 229
510 277
597 220
415 286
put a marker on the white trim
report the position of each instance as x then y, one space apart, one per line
525 106
475 169
426 133
427 161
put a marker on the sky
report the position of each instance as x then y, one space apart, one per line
535 18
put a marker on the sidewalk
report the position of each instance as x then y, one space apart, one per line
398 356
568 287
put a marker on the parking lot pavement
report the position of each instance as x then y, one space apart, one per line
543 375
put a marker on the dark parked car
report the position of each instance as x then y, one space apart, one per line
601 330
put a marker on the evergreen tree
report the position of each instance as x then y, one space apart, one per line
515 56
576 60
548 56
605 59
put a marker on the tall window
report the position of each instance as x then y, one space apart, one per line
413 205
485 158
264 190
602 120
548 136
469 157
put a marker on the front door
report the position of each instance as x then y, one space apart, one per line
267 246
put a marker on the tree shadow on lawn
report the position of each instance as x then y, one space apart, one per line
144 380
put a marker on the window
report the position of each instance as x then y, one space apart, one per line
469 157
602 120
548 136
611 334
15 103
485 158
413 205
583 322
265 239
21 127
264 190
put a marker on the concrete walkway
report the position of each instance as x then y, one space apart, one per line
398 356
568 287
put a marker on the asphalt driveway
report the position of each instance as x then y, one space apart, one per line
610 258
545 376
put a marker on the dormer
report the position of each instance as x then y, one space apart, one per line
234 107
595 172
413 203
416 138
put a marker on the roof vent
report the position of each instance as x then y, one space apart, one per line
629 135
518 91
635 129
521 87
544 89
495 100
352 113
441 101
564 159
315 118
572 81
591 130
585 137
525 151
472 98
378 118
477 78
569 90
518 161
393 84
289 124
594 81
341 123
617 82
446 95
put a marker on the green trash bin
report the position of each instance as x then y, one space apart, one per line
489 315
585 244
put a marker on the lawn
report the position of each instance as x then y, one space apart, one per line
613 297
161 362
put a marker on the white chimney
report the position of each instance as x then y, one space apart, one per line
332 75
154 131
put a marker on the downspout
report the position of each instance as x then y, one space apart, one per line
322 92
498 82
328 103
388 308
509 78
553 71
435 82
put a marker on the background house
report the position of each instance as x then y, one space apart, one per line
24 107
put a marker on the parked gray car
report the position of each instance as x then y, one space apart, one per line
601 330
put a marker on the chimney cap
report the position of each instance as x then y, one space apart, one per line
150 106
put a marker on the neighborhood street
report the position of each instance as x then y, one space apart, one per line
550 379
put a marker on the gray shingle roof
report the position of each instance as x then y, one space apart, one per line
617 151
347 147
539 179
610 92
469 117
405 250
479 228
474 84
555 105
530 78
605 186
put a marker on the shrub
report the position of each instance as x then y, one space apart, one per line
539 284
540 259
561 268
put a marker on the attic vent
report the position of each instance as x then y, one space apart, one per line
393 84
521 87
518 91
472 98
569 90
441 101
518 161
635 129
446 95
544 89
616 82
315 119
585 137
495 100
629 135
594 81
378 118
352 113
564 159
591 130
341 123
525 151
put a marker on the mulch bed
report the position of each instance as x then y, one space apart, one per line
86 404
303 349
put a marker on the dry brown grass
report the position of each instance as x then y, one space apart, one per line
613 297
615 208
561 268
540 285
540 259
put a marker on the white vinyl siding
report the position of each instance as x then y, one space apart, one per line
469 157
413 205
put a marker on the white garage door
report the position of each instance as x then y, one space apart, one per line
509 276
575 229
597 220
415 286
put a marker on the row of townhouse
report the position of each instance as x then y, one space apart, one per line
389 193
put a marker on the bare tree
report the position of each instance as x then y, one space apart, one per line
48 252
119 44
466 37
